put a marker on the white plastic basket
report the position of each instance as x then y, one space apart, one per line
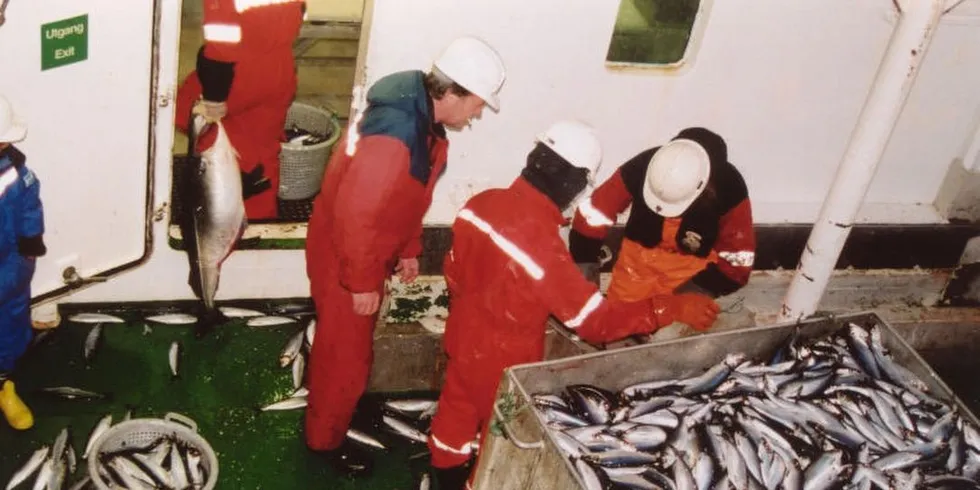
301 167
141 432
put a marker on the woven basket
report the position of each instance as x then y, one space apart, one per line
301 167
141 432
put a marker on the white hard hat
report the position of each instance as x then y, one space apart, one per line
12 129
677 175
576 142
475 66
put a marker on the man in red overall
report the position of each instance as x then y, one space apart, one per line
246 77
690 225
367 222
508 270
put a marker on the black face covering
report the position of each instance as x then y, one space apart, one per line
554 176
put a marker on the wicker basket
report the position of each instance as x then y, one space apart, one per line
140 432
301 167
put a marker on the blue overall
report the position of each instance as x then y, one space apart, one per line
21 216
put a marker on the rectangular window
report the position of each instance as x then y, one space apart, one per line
652 32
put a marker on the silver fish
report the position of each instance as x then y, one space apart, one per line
71 393
404 429
178 471
174 357
83 483
291 349
173 319
591 403
44 474
99 429
29 467
301 392
287 404
299 369
365 439
425 483
92 341
95 318
411 405
268 321
644 437
310 332
196 472
233 312
214 217
588 475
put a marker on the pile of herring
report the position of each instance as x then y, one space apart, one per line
838 412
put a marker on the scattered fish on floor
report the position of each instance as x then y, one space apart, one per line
420 407
838 412
174 357
404 429
360 437
310 333
92 342
299 370
291 350
268 321
173 319
51 465
95 318
288 404
72 393
233 312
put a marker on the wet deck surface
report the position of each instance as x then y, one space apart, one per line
223 380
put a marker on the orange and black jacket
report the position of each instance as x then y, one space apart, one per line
720 219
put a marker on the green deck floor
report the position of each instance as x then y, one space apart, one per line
223 379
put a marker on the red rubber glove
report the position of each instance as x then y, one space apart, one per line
694 310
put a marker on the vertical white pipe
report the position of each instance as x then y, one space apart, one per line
971 155
896 74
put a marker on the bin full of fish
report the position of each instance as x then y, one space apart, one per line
163 453
835 411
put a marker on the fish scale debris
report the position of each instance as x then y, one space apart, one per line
837 412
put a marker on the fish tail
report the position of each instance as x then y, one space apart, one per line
207 320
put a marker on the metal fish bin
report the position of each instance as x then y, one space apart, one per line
520 452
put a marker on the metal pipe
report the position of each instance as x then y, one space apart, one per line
896 75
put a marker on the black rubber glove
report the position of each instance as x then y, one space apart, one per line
255 182
31 246
215 77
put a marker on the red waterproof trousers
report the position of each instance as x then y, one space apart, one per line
341 360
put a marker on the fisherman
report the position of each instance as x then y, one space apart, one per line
367 222
246 77
21 242
690 227
507 271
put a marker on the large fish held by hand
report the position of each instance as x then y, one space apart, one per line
214 215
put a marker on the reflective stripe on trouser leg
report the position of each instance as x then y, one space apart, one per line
454 424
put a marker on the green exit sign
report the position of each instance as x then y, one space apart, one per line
64 42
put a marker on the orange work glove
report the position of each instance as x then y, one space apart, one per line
695 310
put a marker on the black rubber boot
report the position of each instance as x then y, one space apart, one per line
452 478
349 460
